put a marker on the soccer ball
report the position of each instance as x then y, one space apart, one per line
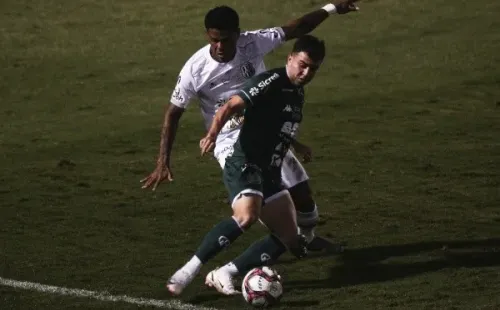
262 287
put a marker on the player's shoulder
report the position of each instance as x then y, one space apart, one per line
197 62
271 78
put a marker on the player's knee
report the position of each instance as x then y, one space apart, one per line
246 211
301 195
246 219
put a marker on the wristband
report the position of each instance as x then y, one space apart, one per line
330 8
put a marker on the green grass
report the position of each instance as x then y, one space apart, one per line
403 118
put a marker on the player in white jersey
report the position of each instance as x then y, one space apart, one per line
215 72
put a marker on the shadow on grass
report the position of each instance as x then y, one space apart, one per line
365 265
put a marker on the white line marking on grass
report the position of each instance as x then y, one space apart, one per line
102 296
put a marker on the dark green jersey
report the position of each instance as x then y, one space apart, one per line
271 120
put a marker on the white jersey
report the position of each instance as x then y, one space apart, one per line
213 83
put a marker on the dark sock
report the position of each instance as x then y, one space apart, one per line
263 252
220 237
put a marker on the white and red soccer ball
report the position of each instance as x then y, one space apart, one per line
262 287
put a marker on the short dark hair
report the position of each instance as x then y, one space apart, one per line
314 47
222 18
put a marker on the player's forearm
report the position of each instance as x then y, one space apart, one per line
305 24
168 133
220 118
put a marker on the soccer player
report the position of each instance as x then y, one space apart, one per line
271 104
216 72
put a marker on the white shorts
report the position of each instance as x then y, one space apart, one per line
292 172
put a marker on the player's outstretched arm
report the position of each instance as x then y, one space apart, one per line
168 132
307 23
234 105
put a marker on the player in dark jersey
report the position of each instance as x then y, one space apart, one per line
273 112
271 103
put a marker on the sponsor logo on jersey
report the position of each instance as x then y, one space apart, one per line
254 91
247 70
268 81
177 95
289 128
295 111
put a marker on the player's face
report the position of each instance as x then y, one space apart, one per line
222 44
301 68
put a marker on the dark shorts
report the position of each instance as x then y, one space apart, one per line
242 178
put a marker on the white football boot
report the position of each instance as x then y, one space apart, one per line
222 281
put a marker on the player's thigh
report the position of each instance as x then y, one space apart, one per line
244 184
278 214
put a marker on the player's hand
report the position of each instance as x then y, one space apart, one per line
207 144
161 172
304 151
345 6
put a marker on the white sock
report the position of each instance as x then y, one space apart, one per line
193 266
231 268
307 222
305 219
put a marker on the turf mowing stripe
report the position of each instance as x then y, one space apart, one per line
102 296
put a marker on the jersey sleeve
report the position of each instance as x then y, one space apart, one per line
184 90
267 39
259 88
